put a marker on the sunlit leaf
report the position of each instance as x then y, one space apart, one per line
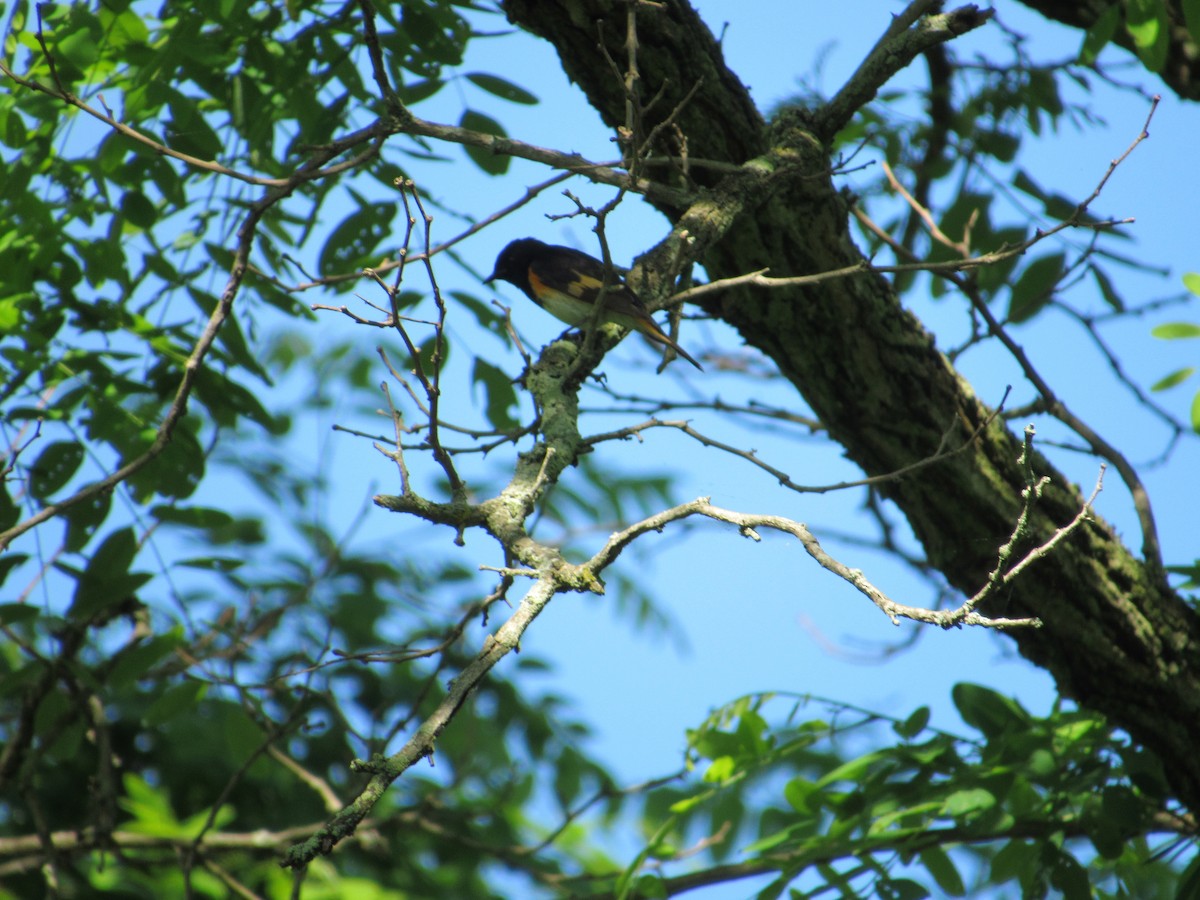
1175 330
1149 26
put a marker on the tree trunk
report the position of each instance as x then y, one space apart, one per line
1116 638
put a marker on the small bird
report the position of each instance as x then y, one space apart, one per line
566 283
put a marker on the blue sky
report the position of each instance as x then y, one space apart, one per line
763 616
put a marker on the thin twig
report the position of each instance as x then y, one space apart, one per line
939 455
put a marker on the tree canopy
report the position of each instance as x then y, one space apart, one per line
249 654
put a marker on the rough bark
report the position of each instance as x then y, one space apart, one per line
1116 638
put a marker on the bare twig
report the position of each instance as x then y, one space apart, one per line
942 453
747 525
1003 573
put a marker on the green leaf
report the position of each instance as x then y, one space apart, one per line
721 769
212 563
195 824
1041 93
486 314
10 561
188 132
10 513
1175 330
176 472
1191 280
55 466
134 663
502 88
174 700
939 864
355 238
803 796
771 841
569 772
913 725
415 91
1196 413
13 132
650 887
1023 182
1106 837
79 47
1107 290
1145 771
1149 26
150 808
107 580
1071 878
852 771
127 29
1189 882
10 314
491 162
900 889
436 35
999 144
193 516
16 613
500 394
138 210
687 804
426 352
990 712
85 518
1014 860
1035 287
1177 377
1041 764
1097 37
226 400
968 801
231 337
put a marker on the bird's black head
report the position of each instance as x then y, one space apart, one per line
512 265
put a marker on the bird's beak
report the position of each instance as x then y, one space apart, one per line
491 278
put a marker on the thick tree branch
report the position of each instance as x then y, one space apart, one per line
1115 637
899 46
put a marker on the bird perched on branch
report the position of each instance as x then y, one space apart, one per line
567 283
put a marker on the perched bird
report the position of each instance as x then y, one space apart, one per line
566 283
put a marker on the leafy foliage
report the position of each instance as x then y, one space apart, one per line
1182 331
